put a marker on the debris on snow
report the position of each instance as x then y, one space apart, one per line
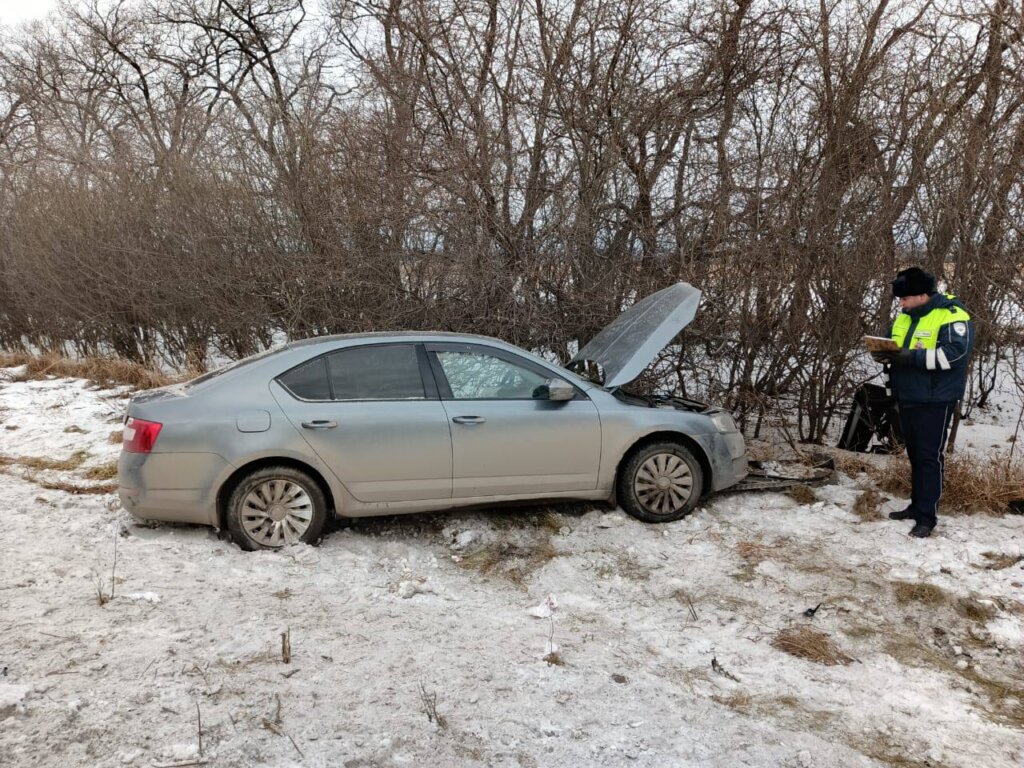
546 609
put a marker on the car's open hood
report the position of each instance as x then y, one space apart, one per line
632 341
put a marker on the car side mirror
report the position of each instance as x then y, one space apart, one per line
556 390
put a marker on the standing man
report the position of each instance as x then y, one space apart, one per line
928 376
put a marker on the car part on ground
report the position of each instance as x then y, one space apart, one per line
816 469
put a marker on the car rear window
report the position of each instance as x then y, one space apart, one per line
387 372
308 381
230 367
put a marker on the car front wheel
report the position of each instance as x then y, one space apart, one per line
660 483
274 507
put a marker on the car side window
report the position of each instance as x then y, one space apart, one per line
308 381
386 372
479 376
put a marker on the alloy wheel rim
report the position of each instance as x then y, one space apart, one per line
277 512
663 484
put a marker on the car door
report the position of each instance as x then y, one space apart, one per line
375 419
504 440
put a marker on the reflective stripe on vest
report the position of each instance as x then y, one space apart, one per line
925 334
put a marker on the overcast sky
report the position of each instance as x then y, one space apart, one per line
13 11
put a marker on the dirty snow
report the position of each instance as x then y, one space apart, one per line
562 636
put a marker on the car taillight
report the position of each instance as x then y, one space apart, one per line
140 435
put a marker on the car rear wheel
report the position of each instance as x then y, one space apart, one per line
274 507
660 483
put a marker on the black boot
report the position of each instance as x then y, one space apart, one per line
903 514
921 530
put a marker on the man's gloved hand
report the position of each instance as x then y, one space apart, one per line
900 357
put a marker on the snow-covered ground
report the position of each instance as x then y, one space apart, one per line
420 641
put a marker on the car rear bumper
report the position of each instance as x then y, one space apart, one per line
172 487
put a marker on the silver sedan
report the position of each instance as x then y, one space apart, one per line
382 424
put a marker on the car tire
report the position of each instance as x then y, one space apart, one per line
660 482
276 506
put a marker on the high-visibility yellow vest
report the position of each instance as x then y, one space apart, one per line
926 331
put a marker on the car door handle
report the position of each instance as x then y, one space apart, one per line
469 419
319 424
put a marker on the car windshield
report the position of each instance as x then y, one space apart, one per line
233 366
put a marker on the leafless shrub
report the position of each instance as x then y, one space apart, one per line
675 141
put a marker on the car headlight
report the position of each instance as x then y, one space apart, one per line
723 421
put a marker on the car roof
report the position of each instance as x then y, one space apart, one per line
418 335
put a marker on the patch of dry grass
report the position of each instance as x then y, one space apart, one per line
39 463
753 553
975 610
852 464
74 429
860 632
72 488
998 561
103 371
881 748
867 505
116 437
736 701
911 592
806 643
106 471
802 494
14 359
986 484
512 561
1003 702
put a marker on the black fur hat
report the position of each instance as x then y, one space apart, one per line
913 282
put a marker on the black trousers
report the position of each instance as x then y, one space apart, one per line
925 429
